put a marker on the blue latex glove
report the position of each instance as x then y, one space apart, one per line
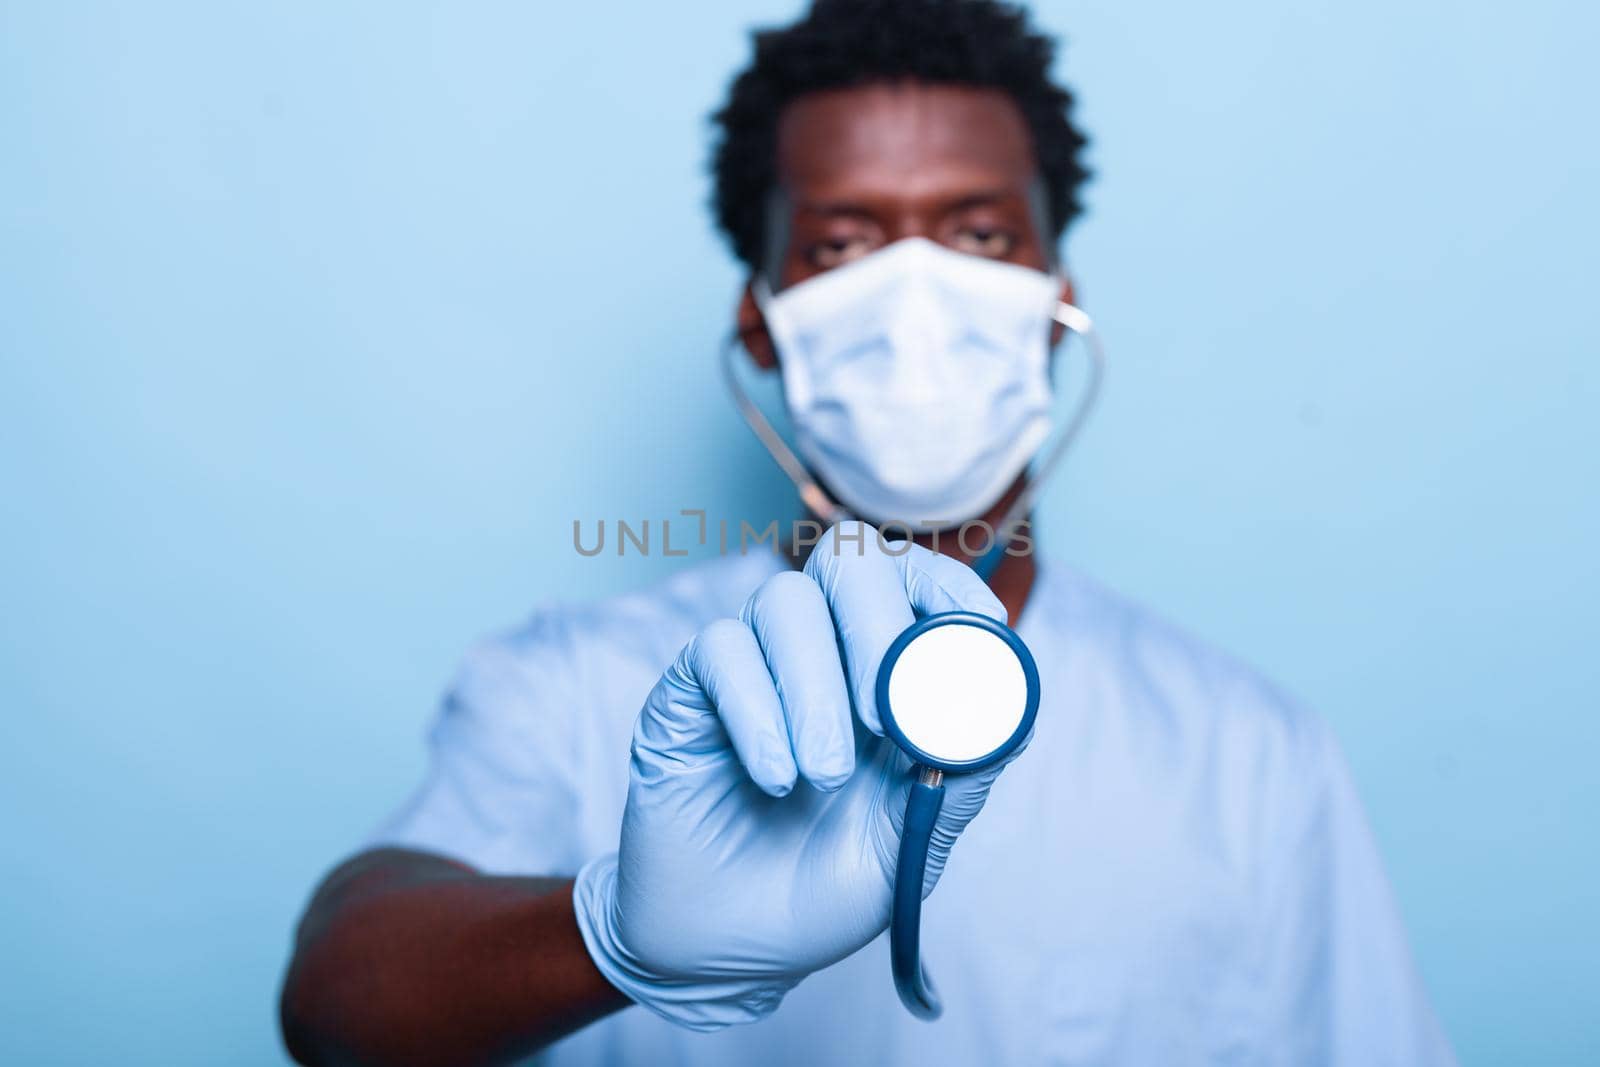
764 808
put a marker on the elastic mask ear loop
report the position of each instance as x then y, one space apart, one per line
811 494
1078 322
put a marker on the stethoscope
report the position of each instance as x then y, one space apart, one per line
957 692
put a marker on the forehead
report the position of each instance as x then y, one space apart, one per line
902 141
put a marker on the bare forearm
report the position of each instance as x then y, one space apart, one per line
407 959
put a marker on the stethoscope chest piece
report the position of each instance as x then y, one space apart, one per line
957 692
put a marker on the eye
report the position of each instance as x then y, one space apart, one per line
991 241
837 250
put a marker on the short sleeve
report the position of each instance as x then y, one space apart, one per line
499 791
1342 986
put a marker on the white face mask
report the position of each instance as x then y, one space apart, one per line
917 378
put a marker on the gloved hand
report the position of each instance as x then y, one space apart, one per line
762 826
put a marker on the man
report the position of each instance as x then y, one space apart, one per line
1176 871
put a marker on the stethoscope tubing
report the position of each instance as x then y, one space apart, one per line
911 979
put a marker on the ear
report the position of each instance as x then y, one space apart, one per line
1068 295
753 334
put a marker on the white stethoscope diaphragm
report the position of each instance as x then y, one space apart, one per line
958 691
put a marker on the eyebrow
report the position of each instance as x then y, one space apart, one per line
834 208
859 209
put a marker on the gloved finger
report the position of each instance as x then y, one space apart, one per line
718 693
875 592
866 594
790 619
936 583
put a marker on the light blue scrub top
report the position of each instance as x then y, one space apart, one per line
1176 871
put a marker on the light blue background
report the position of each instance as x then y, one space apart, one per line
319 327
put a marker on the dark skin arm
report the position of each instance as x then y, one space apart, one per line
409 959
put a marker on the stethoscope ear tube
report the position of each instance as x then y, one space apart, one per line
911 981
